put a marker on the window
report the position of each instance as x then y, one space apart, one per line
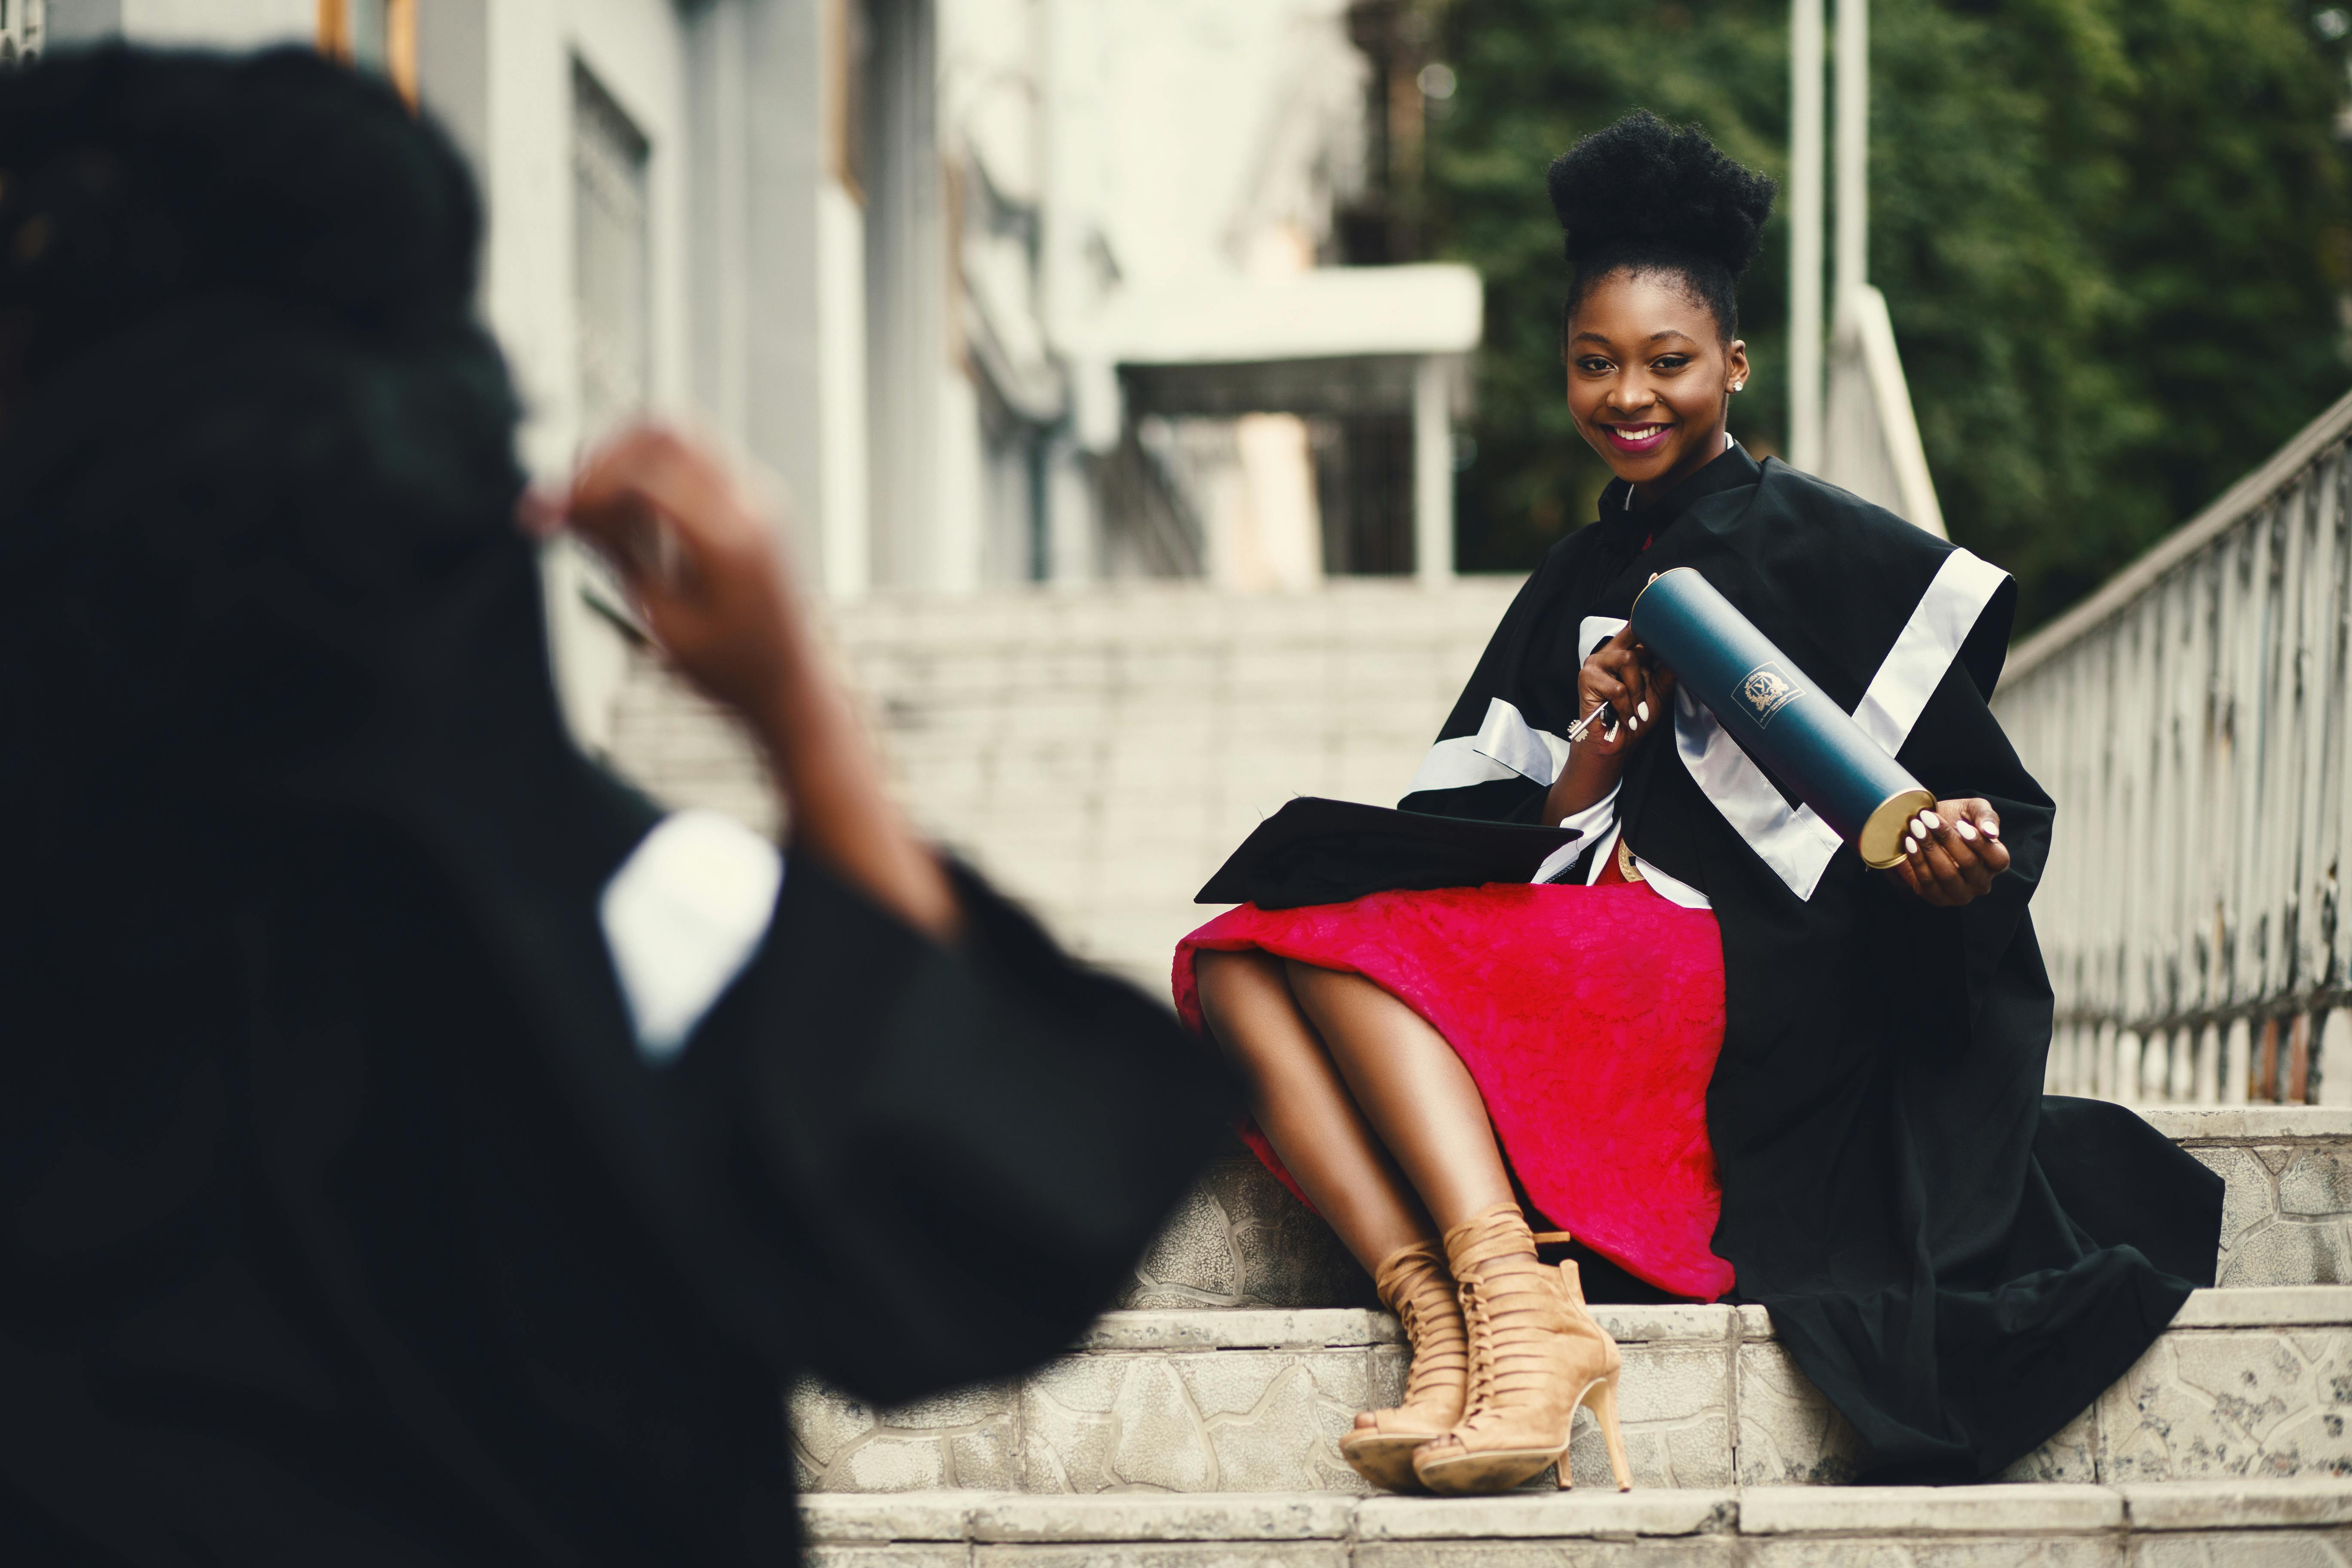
21 24
609 256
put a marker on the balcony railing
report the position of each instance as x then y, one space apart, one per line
2189 719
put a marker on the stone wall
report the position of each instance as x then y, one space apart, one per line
2248 1383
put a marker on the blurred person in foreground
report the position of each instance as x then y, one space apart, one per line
415 1146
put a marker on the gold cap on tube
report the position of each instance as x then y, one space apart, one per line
1881 841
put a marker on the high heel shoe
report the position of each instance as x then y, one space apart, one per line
1413 1284
1536 1355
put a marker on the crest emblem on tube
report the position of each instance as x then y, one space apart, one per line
1766 690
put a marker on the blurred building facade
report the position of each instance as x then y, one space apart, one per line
993 290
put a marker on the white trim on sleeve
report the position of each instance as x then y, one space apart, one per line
1506 746
1797 843
1931 639
1594 820
1455 764
682 917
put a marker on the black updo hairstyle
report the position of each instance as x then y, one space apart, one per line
1646 196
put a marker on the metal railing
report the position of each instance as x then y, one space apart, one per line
2189 719
1872 436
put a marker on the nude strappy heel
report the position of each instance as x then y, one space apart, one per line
1536 1355
1413 1284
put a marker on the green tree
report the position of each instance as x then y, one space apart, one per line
2112 237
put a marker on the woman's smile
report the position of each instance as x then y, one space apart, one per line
1645 438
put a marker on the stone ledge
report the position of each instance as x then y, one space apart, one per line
2023 1509
1893 1514
864 1517
2236 1504
2249 1123
2267 1307
1240 1327
1554 1515
1213 1516
1351 1327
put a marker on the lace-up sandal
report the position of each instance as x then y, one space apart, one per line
1413 1284
1536 1355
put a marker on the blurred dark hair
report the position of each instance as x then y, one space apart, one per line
132 179
1646 195
255 439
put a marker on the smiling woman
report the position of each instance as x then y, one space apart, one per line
1728 1057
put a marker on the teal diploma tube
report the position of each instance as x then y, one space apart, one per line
1772 709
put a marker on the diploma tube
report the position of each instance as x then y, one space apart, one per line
1772 707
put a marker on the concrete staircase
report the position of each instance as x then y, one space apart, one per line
1099 755
1246 1345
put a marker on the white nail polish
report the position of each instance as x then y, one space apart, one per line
1632 723
1916 828
1932 820
1910 847
1965 829
1642 711
1992 830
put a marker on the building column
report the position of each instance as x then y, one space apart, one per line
906 268
780 267
1433 471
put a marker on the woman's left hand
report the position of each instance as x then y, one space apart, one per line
1951 855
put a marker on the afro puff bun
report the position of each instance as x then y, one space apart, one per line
1643 194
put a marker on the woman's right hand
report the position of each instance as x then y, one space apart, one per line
707 577
1622 674
701 567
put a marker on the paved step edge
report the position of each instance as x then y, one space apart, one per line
2016 1509
2193 1125
1354 1328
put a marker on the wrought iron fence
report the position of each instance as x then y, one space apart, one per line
2189 720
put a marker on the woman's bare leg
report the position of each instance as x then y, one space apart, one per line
1410 1086
1304 1109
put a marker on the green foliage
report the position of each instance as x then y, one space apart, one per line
2112 234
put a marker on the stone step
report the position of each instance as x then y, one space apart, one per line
1242 1240
2246 1382
2197 1524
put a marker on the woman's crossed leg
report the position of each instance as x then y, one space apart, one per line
1381 1124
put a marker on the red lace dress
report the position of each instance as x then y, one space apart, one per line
1589 1019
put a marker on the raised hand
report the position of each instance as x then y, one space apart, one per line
705 574
1621 674
699 565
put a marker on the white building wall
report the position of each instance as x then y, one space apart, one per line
1164 142
217 24
756 311
635 51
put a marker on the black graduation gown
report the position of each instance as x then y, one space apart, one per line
344 1220
1959 1262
